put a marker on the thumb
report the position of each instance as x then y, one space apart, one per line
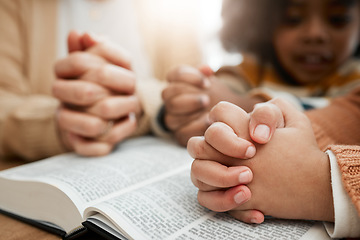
266 117
89 40
206 70
74 42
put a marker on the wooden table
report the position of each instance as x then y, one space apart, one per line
11 229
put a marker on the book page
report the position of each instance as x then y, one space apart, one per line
88 180
168 209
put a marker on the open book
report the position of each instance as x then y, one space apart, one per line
140 191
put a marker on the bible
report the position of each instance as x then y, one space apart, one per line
142 190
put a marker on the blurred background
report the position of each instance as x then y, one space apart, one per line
168 21
210 23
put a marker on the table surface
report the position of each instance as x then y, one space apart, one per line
12 229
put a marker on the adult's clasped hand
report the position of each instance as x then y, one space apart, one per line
106 129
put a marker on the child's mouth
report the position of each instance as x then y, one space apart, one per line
314 62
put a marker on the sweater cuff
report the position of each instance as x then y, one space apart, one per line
347 221
158 125
30 131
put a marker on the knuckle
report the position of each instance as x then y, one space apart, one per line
106 109
222 206
105 149
197 148
203 186
102 72
57 65
170 106
114 138
218 205
195 167
84 94
76 60
213 131
218 208
175 73
78 149
164 95
132 127
182 138
94 127
202 200
61 118
222 180
171 91
131 82
171 122
219 108
195 182
265 112
102 47
277 100
240 150
54 89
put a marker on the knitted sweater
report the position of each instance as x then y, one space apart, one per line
348 159
339 124
246 78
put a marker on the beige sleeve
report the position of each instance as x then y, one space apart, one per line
149 92
27 127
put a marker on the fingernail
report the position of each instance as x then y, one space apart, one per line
250 152
132 117
254 220
206 83
240 197
262 131
205 100
72 138
244 177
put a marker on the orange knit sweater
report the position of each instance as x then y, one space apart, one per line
339 124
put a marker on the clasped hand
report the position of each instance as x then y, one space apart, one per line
96 88
263 163
189 97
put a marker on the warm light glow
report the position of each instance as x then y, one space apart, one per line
205 15
214 54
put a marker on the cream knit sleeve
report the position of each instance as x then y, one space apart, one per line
347 218
27 109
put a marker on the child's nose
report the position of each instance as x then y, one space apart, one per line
315 31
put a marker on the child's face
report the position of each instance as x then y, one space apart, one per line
316 37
